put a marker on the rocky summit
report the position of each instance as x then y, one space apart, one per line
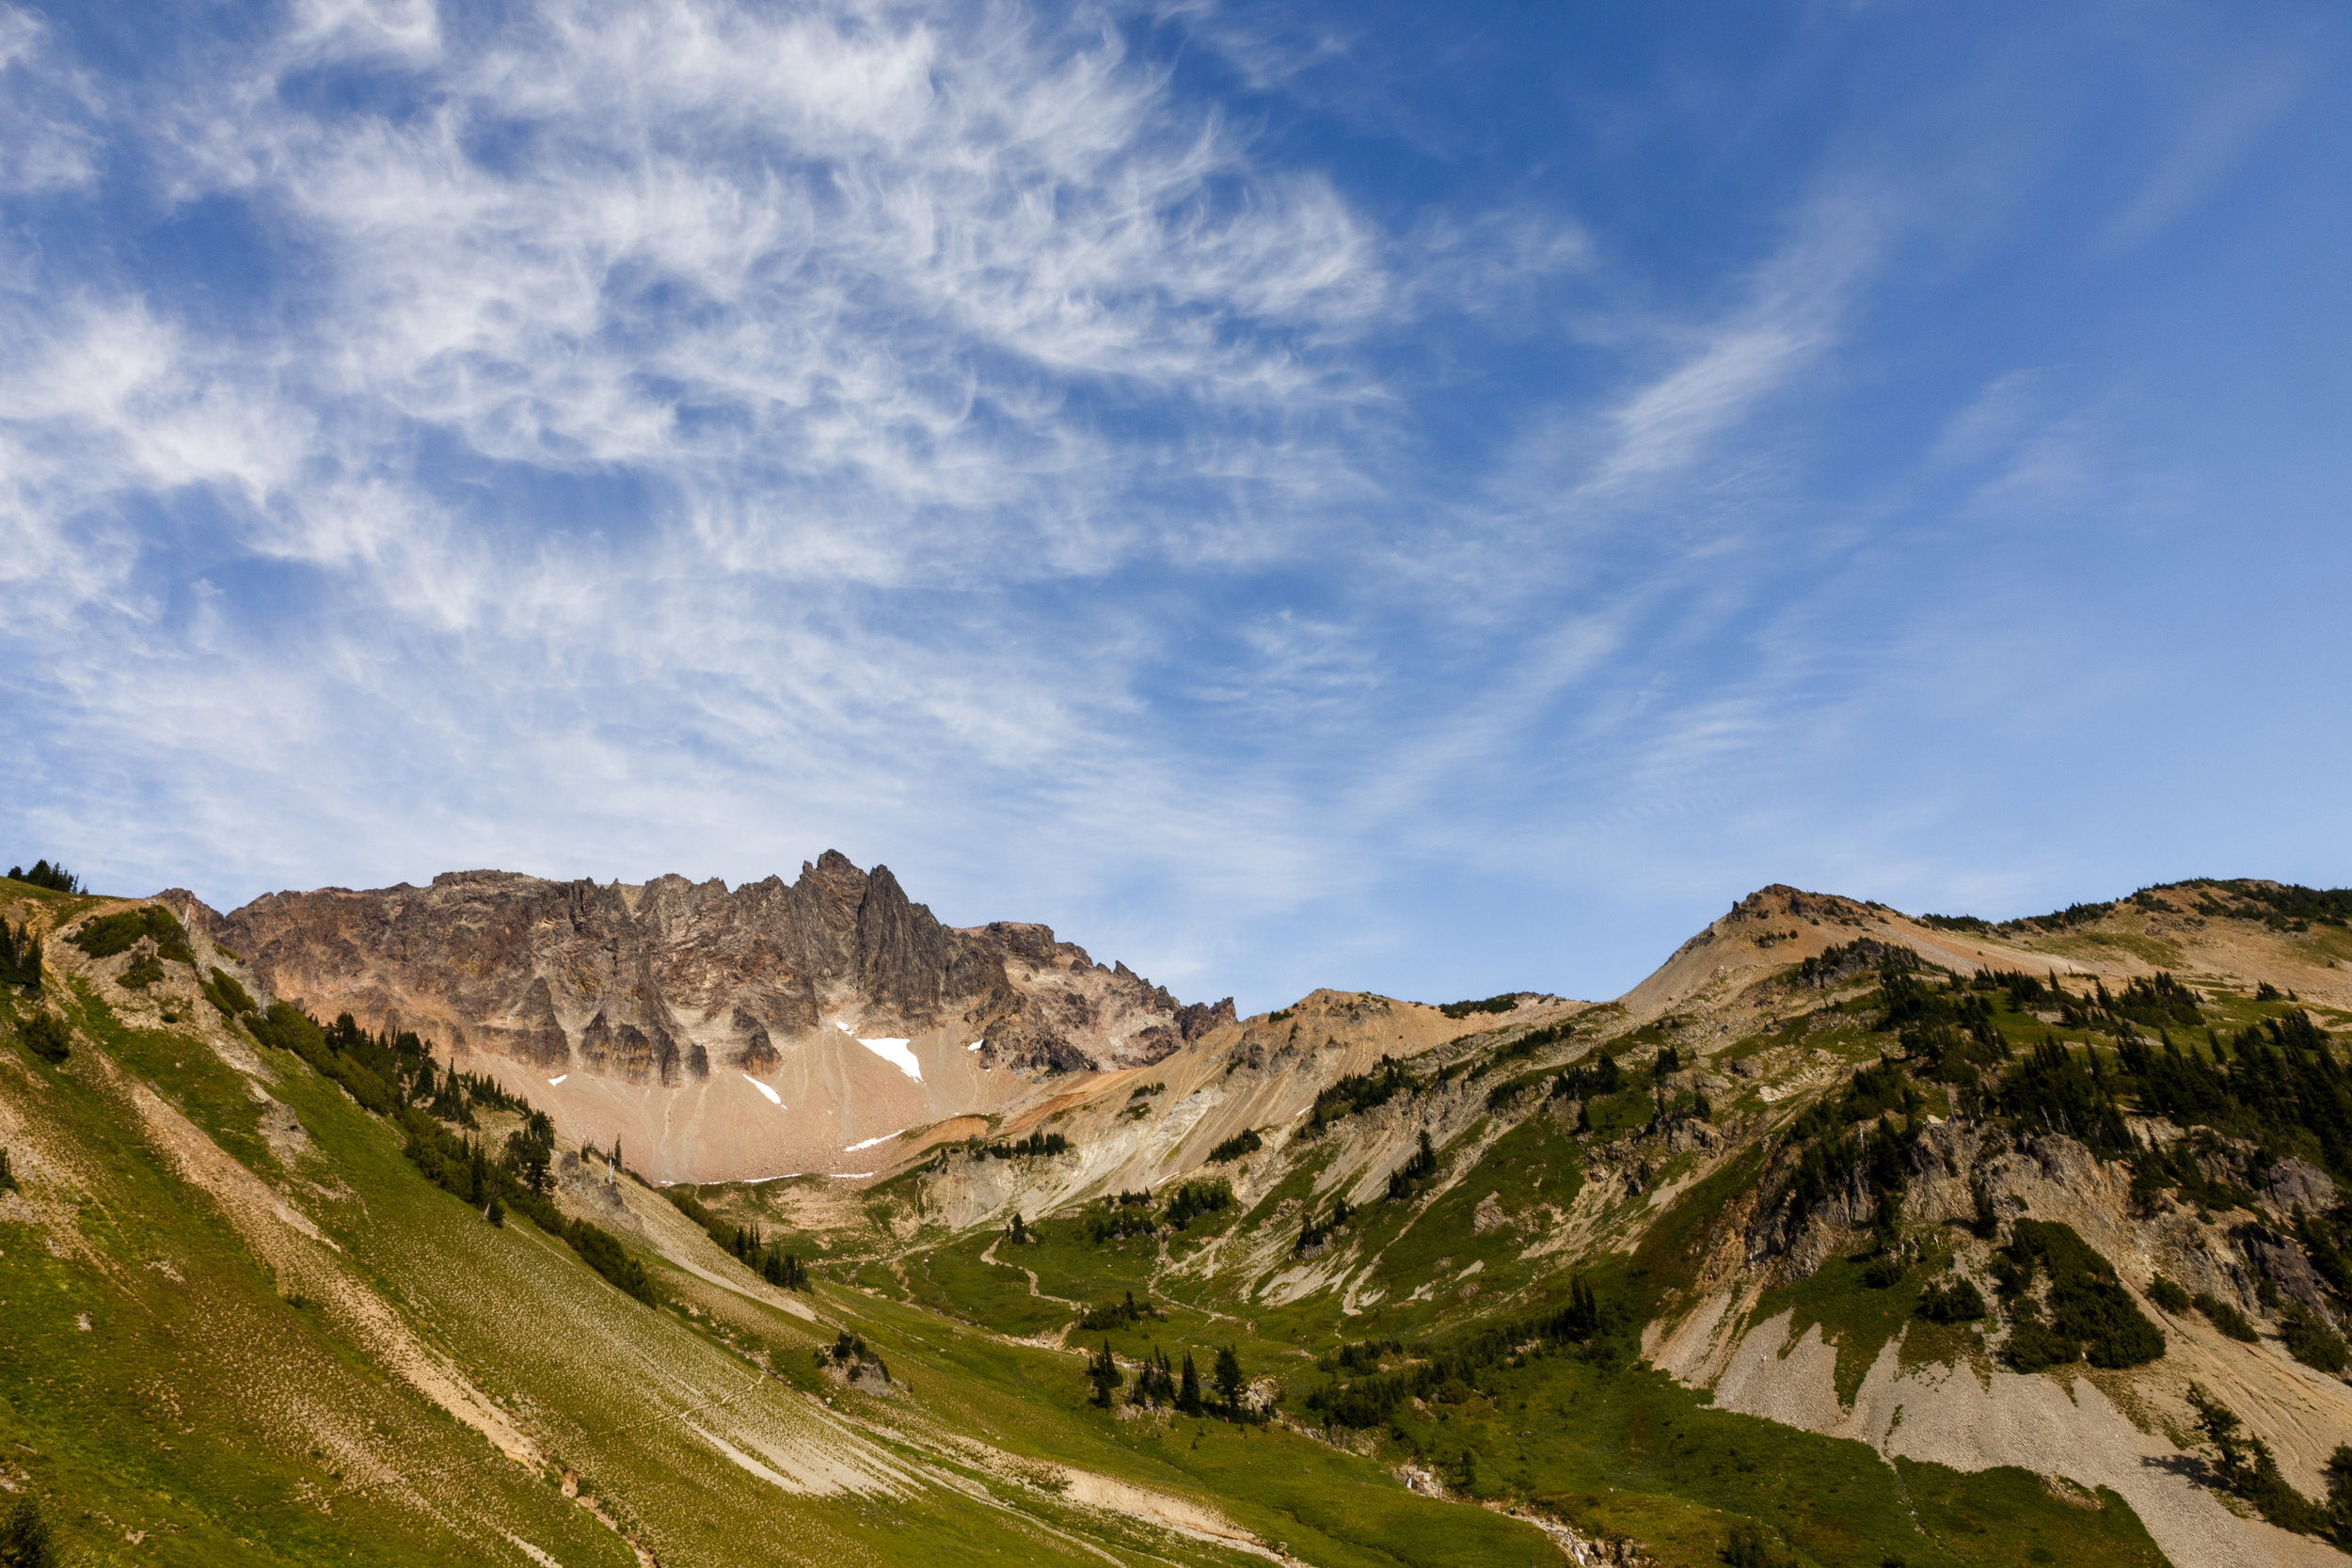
724 1035
515 1221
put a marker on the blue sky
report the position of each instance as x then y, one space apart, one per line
1434 500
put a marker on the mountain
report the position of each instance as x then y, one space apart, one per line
721 1034
1845 1238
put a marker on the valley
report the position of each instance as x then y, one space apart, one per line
509 1221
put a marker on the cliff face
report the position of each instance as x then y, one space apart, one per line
662 986
666 982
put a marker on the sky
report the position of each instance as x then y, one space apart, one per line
1434 500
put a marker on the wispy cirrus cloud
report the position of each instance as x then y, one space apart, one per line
1164 462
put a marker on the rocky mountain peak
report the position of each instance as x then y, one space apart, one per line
673 986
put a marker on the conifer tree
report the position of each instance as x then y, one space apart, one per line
7 1177
45 1038
1103 1371
1188 1392
497 1215
1229 1379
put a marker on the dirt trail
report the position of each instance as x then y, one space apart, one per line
990 1257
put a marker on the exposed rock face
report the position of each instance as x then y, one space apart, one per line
658 983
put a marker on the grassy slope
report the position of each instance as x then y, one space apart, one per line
272 1410
291 1439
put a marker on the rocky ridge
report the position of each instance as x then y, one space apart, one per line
854 1006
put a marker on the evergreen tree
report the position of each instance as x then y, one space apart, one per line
1188 1393
1019 1231
56 878
497 1215
1103 1371
46 1037
1229 1379
7 1177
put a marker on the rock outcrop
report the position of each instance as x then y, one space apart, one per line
660 987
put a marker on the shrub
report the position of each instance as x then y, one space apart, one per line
1199 1198
1244 1141
2168 1295
1959 1302
20 956
1503 1003
117 932
2225 1317
223 992
1747 1547
45 1037
1117 1314
1358 1092
599 1249
25 1537
289 1028
2311 1339
2088 1309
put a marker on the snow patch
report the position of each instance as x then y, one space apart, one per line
976 1045
897 1054
774 1098
557 1079
852 1148
850 1174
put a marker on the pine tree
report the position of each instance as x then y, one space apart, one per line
1188 1393
46 1037
1020 1232
7 1177
497 1215
1103 1371
1229 1379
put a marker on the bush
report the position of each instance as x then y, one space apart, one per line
20 955
1959 1302
1117 1314
223 992
2312 1340
117 932
1749 1549
1244 1141
2088 1309
1503 1003
601 1251
45 1037
25 1537
2225 1317
289 1028
2168 1295
1199 1198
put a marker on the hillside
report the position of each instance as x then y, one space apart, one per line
1846 1237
